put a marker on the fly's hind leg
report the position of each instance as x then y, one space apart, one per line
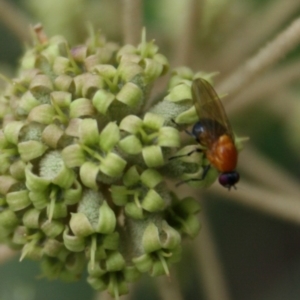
205 171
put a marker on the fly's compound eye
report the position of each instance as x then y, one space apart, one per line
229 179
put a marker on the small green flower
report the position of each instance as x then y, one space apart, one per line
148 137
141 193
157 245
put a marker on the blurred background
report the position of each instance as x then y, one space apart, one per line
249 246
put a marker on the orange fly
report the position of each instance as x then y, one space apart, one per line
213 132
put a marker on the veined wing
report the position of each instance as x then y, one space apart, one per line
208 104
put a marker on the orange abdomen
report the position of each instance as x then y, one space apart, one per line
223 154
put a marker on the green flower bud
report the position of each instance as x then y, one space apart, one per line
182 216
143 263
3 141
43 114
116 286
73 194
31 251
64 83
188 116
171 238
127 50
153 202
61 99
119 195
8 219
20 235
35 183
52 167
152 69
88 175
61 65
27 103
80 225
111 241
18 200
131 177
209 179
151 178
6 184
4 163
31 149
158 269
52 228
57 210
115 262
180 93
107 219
153 156
191 226
112 165
129 69
93 84
73 156
31 218
88 132
102 101
151 239
79 53
109 137
153 121
51 136
12 132
75 263
131 124
72 242
81 107
107 71
41 85
131 145
97 283
181 73
131 273
52 247
134 211
168 137
39 199
130 94
186 206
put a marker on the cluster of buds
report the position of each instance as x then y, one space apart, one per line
83 166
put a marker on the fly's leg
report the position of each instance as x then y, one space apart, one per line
186 131
187 154
205 171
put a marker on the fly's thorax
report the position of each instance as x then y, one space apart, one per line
207 132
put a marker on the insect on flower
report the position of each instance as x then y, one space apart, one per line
213 132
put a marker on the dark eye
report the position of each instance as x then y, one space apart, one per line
229 179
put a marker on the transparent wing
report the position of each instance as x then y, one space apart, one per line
208 104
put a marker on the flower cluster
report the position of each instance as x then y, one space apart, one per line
83 167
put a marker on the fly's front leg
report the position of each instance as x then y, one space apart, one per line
186 131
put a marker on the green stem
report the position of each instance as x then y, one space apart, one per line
92 153
93 250
161 257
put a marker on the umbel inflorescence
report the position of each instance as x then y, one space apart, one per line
83 165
